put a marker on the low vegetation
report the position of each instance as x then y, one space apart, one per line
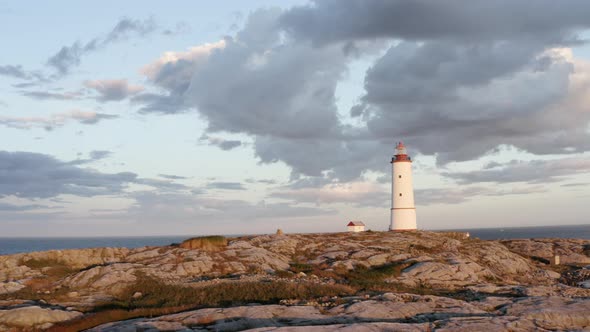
207 243
50 267
374 278
159 298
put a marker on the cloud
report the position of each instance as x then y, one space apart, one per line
222 143
172 102
331 21
13 71
172 177
43 95
35 175
459 103
361 194
225 186
6 207
453 86
457 195
92 156
127 27
535 171
113 90
458 84
174 70
55 120
99 154
70 56
155 207
264 181
162 185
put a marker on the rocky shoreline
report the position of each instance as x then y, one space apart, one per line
371 281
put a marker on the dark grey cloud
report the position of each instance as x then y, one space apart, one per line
330 21
70 56
535 171
13 71
343 159
22 208
100 154
35 175
128 27
578 184
92 156
455 80
264 181
44 95
161 103
226 185
228 145
98 117
222 143
173 73
459 102
172 177
434 85
55 120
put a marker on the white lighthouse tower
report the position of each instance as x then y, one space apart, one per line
403 211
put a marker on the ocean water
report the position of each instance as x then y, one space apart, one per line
18 245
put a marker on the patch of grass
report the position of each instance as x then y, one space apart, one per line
35 290
373 278
160 298
208 243
50 267
284 274
300 267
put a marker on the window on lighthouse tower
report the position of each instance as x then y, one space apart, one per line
400 194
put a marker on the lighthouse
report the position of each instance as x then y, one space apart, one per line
403 211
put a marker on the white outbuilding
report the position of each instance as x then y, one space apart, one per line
356 226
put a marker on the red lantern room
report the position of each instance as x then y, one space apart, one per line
401 154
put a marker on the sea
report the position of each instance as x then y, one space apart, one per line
23 244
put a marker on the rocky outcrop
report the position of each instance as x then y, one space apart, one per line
207 243
569 250
33 317
395 312
492 274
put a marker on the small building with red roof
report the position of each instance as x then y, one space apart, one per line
356 226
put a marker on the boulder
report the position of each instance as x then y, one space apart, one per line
34 316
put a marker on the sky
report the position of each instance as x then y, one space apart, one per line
234 117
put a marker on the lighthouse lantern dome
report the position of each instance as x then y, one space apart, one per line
401 148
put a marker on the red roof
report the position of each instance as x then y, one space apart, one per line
356 223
